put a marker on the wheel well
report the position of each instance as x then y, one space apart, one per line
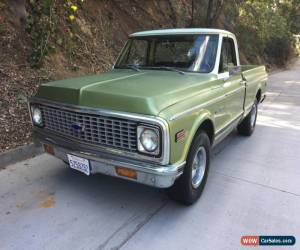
258 95
208 127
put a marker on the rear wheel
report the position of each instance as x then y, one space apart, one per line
188 188
247 126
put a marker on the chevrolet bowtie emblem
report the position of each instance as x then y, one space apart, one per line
78 126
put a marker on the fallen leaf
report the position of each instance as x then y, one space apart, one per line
49 202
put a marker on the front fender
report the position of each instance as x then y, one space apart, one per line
190 123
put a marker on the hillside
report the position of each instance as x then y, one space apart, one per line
50 39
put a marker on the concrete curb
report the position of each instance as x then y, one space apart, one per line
19 154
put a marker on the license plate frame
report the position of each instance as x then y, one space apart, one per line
80 164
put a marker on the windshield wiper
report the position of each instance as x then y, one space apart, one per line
169 69
134 67
131 66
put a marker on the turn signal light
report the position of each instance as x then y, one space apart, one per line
129 173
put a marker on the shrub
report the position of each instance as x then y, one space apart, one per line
264 31
278 50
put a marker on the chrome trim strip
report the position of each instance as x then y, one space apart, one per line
193 109
165 155
234 91
229 123
224 133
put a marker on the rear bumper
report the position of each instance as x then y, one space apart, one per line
161 176
263 98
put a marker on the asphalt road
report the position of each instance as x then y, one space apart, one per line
253 189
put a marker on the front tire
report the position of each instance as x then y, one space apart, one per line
247 126
188 188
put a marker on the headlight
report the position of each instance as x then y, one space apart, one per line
148 140
36 116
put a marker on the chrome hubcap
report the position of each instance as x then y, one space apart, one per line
198 168
253 116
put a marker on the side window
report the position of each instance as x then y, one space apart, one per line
228 56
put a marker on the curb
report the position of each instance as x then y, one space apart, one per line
19 154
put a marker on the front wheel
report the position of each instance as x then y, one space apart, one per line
188 188
247 126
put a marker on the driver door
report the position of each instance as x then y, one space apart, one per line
233 84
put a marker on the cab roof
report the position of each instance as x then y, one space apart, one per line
189 31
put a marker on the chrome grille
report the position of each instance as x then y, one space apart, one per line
99 130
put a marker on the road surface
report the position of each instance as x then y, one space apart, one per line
253 188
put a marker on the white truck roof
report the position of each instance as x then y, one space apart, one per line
188 31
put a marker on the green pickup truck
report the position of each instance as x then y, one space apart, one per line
172 95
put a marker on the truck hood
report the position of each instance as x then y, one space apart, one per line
146 92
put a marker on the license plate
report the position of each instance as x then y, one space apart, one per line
79 164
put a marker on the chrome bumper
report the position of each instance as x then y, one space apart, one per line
161 176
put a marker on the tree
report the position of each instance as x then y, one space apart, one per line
214 8
205 16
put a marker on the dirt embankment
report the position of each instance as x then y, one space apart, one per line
88 44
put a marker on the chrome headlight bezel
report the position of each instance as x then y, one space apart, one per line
36 116
142 148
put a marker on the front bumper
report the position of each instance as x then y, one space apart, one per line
161 176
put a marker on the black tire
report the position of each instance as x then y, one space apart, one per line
247 126
183 190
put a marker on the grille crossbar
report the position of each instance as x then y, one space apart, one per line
93 129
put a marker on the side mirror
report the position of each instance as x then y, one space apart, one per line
236 70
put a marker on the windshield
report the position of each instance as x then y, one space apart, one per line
196 53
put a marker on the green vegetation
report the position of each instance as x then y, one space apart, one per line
42 25
264 28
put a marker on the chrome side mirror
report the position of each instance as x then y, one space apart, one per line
236 70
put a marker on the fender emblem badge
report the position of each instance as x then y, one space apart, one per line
180 135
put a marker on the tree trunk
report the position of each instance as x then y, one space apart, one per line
214 8
209 13
192 15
